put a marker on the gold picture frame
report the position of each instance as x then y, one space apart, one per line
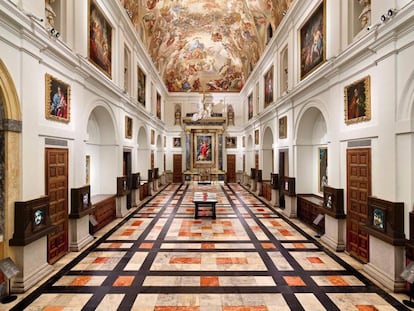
231 142
204 147
152 137
313 41
256 137
357 98
128 127
100 39
57 99
283 127
268 88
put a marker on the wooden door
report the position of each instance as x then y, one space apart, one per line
231 168
56 167
177 168
358 189
127 171
281 178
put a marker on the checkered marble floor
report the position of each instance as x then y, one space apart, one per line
248 259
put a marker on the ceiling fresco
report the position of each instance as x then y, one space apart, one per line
205 45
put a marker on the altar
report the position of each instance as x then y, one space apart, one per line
204 143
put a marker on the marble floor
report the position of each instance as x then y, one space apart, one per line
248 259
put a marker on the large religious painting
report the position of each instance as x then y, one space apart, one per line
323 168
283 127
158 104
100 39
57 102
203 148
250 106
268 82
141 86
358 101
128 127
312 41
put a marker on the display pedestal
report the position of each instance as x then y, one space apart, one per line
79 233
32 262
290 206
155 185
253 185
386 270
259 188
135 197
335 231
275 198
121 206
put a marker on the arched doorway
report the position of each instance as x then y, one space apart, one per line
268 155
143 154
101 151
10 129
311 152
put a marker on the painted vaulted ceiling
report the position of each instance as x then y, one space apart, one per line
205 45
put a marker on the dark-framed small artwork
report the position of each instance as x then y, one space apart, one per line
128 127
256 137
244 141
313 41
141 85
165 141
250 106
283 127
87 169
100 39
231 142
152 137
158 106
177 142
378 218
323 168
57 99
268 91
357 97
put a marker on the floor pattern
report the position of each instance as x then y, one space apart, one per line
249 259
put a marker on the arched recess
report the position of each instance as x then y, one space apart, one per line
10 129
101 149
249 154
405 149
311 151
159 154
268 155
143 154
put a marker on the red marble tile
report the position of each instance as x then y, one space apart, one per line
100 260
137 223
185 260
115 245
128 232
124 280
260 209
268 245
209 281
206 228
208 246
298 245
366 308
53 308
80 281
336 280
146 245
285 232
231 260
229 232
294 281
244 308
314 259
275 223
255 228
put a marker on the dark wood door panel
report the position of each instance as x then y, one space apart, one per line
177 168
358 190
56 163
231 168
